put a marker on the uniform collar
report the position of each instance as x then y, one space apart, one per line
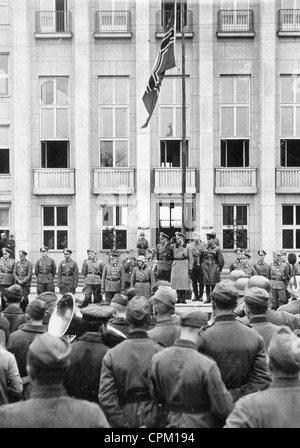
185 343
138 334
47 391
259 318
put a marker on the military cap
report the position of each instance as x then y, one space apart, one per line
13 292
142 234
277 252
238 249
53 351
48 297
91 251
283 252
193 318
22 252
164 235
256 296
121 299
247 254
6 250
67 251
130 251
138 309
236 273
284 351
44 249
36 309
241 284
225 293
130 292
261 252
113 255
97 311
211 235
141 258
165 295
180 234
11 235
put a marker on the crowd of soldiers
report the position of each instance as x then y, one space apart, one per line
129 358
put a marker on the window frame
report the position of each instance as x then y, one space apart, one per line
4 147
114 225
246 157
293 105
294 227
236 242
6 75
5 229
55 228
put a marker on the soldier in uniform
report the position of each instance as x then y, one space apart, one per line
11 244
113 279
7 265
197 246
278 281
237 262
261 267
45 270
119 303
182 267
246 266
213 262
67 274
128 263
142 278
142 244
92 270
22 275
164 258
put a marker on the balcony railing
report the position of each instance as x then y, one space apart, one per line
238 21
162 18
113 22
114 181
53 181
288 180
53 22
169 180
235 181
288 21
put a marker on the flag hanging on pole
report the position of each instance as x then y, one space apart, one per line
165 60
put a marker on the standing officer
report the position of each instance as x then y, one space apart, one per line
278 281
45 270
113 279
213 262
142 278
261 267
92 270
164 257
129 263
236 264
67 275
22 275
7 265
142 244
246 266
181 267
197 246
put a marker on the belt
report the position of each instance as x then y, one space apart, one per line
186 409
142 281
135 397
180 259
114 279
66 275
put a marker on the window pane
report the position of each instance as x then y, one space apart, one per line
107 216
106 123
107 239
48 216
106 90
297 239
242 121
47 92
226 89
121 123
241 238
62 239
122 94
227 122
287 239
242 89
296 83
166 120
121 239
55 154
166 93
62 90
293 152
227 215
4 161
3 64
178 131
4 217
287 215
298 121
47 123
62 123
62 216
228 240
121 216
241 214
235 153
121 154
178 90
49 239
286 89
297 215
287 121
106 154
4 136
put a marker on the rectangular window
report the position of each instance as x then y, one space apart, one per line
4 13
167 8
4 220
171 153
4 85
55 227
290 106
290 153
55 154
234 153
4 150
114 121
114 227
235 226
291 226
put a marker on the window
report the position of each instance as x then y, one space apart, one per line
54 16
4 13
114 121
4 74
167 8
114 223
55 133
55 227
234 153
4 150
290 153
289 120
291 226
4 220
171 153
235 226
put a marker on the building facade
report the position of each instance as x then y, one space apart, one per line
78 170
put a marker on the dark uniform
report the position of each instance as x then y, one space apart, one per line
142 278
237 262
45 270
92 269
11 244
128 264
142 245
278 281
197 248
22 275
67 274
182 266
113 280
6 275
213 262
164 258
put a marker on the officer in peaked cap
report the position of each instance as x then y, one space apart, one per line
7 265
279 278
164 257
92 270
261 267
142 277
182 267
164 236
22 273
246 265
67 274
45 271
113 277
237 262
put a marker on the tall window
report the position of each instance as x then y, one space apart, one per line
235 120
167 8
114 227
54 16
235 226
55 227
291 226
55 132
4 85
114 121
4 12
290 120
4 220
4 150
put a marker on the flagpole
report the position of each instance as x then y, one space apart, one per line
184 155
